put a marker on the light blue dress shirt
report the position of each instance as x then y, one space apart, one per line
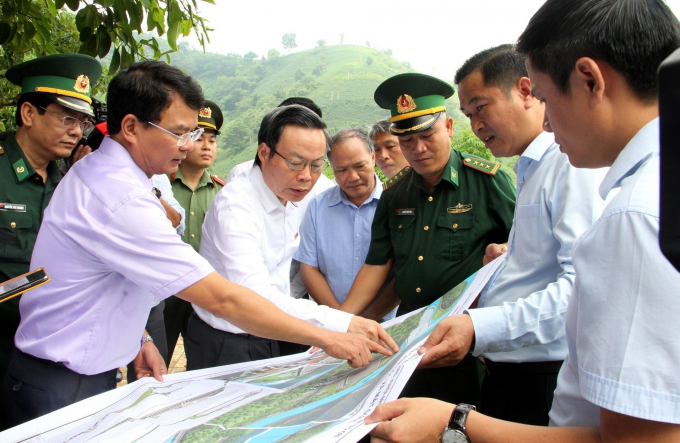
521 312
335 236
623 321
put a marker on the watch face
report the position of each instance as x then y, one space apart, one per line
453 436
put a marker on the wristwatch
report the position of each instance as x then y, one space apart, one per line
455 430
156 192
146 338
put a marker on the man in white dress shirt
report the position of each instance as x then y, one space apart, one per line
594 64
250 234
519 324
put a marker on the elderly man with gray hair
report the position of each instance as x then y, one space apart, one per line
336 230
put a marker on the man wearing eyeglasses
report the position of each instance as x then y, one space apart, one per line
250 234
111 252
52 116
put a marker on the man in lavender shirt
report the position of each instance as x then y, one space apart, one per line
111 251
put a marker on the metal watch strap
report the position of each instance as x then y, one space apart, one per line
147 338
459 417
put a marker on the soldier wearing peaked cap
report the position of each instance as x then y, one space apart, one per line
52 116
433 221
194 187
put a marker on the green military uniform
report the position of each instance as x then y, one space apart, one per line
195 202
23 198
437 239
64 79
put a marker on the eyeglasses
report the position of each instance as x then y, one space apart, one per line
299 165
184 138
71 122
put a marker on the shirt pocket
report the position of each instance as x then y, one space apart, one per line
527 233
401 234
14 229
454 236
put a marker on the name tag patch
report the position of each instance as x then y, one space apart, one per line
408 211
14 207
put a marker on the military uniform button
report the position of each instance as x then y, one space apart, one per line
455 226
13 225
420 258
192 212
192 236
418 290
430 198
426 228
399 226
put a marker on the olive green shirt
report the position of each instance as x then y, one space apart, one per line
438 239
195 202
23 198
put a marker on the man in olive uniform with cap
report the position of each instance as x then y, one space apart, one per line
433 221
195 189
52 116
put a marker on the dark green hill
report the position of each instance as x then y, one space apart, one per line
340 79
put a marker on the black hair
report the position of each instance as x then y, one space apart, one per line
302 101
37 99
501 66
276 120
632 36
146 89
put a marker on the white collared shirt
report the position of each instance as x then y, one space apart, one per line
521 312
249 237
623 321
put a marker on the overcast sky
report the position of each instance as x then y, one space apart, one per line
436 36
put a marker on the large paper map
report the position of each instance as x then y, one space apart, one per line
299 398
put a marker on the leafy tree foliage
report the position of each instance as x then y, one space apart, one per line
27 27
288 41
466 141
369 60
321 43
298 75
273 53
249 57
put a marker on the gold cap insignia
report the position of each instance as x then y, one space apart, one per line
405 103
82 84
206 113
21 169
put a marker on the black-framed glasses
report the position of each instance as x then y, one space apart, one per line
71 122
298 165
184 138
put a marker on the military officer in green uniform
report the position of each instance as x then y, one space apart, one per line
433 221
194 188
52 115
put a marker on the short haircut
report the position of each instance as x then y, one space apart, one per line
276 120
381 127
501 66
146 89
345 134
632 36
36 99
302 101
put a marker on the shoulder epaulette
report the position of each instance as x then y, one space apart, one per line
172 177
481 165
396 179
217 180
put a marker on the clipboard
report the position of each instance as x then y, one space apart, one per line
22 283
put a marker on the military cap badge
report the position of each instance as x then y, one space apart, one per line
405 103
206 112
82 84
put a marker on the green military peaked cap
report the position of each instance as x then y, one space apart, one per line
415 101
210 117
65 78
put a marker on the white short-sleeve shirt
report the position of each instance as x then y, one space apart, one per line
623 320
